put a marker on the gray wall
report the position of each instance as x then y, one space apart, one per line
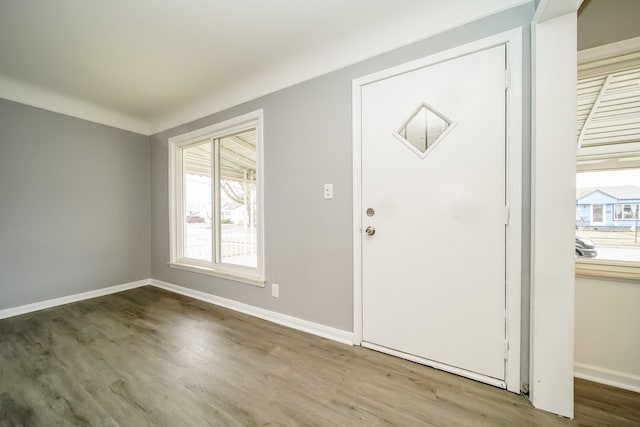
74 205
308 143
607 21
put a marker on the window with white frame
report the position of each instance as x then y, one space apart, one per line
611 232
626 212
608 162
215 193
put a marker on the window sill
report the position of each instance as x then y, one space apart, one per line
235 276
608 269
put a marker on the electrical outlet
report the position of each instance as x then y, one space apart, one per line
328 191
275 290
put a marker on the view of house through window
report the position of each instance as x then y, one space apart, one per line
608 161
197 199
237 203
608 215
219 184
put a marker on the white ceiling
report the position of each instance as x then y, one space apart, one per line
148 65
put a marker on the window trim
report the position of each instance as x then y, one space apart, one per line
592 62
242 274
611 269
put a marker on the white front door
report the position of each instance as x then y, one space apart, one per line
433 193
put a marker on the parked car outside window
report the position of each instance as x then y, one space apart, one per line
585 248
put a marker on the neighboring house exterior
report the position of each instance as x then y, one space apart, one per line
608 207
233 212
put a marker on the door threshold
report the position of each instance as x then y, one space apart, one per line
437 365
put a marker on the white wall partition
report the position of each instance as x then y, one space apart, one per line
553 209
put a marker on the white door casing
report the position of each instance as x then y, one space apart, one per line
430 211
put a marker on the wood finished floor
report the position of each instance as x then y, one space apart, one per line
146 357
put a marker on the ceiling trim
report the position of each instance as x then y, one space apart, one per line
604 57
549 9
609 51
22 93
279 76
298 70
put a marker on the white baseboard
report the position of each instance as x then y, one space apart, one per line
271 316
606 376
328 332
28 308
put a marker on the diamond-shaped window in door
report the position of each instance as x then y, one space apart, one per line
425 128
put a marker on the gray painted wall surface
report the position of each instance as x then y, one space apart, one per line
307 137
607 21
74 205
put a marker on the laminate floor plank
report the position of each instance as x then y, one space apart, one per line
147 357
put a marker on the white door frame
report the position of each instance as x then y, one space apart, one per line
513 41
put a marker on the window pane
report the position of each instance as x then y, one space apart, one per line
238 220
197 201
608 215
424 128
618 212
